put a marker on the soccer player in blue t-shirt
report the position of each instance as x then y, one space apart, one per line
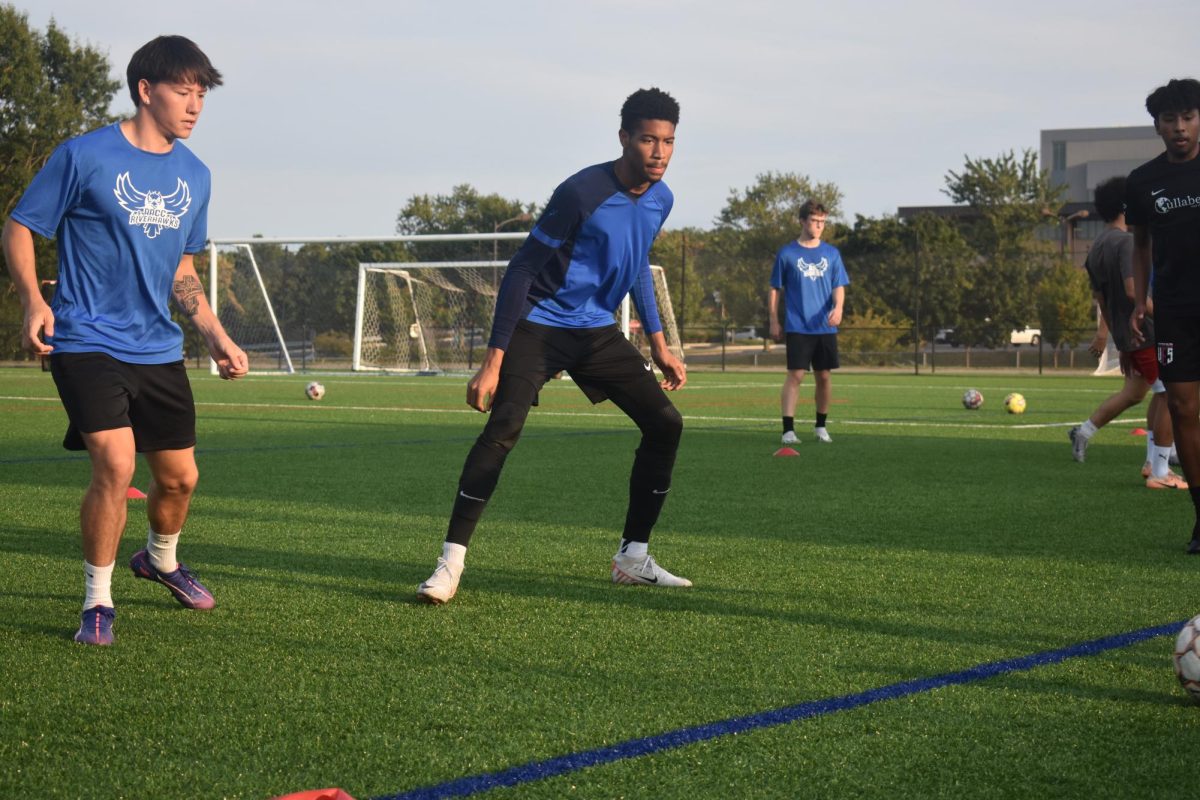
554 311
128 204
812 279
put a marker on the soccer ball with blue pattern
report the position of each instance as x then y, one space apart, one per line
1187 657
972 399
314 391
1015 403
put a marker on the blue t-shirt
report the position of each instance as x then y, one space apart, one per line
589 248
808 276
123 218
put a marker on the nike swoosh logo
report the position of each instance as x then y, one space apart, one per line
1157 192
476 499
648 366
656 491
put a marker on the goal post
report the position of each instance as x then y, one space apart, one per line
435 317
411 304
426 317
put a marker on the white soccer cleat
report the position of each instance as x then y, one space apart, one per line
1079 443
822 435
790 438
442 584
643 570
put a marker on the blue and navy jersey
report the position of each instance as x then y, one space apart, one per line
808 276
589 248
123 218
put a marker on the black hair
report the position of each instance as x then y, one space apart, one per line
649 103
170 58
1110 198
811 207
1179 95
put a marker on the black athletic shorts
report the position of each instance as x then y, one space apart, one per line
602 362
1178 345
101 393
812 351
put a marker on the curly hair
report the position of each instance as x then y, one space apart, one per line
652 103
1109 197
170 58
1180 94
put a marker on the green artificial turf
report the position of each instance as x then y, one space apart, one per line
925 540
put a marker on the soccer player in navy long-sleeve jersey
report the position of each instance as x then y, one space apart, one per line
554 312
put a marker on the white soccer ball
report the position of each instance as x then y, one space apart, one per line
1187 657
972 399
314 391
1015 403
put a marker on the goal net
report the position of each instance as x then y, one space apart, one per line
437 316
411 303
423 317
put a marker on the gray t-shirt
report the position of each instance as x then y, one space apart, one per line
1109 263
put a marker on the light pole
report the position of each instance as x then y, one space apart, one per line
1068 240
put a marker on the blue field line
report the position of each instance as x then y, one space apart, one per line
634 748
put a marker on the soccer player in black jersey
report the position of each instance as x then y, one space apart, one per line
554 312
1162 209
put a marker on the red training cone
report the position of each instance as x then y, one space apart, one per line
1138 432
317 794
785 451
134 493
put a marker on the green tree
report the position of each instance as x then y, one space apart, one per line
50 90
749 231
1064 300
907 271
681 253
1011 199
464 210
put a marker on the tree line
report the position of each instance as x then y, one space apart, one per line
990 267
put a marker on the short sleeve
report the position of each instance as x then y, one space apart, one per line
52 193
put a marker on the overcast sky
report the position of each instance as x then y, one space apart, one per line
333 114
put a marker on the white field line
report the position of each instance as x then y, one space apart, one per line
616 415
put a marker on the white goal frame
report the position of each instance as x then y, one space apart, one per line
408 272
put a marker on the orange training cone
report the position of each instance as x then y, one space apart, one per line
1138 432
785 451
134 493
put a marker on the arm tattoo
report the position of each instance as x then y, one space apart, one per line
188 292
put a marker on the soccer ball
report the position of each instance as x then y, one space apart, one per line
972 399
1015 403
314 391
1187 657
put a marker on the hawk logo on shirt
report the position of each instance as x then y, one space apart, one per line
153 210
813 271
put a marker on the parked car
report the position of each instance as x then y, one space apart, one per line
744 334
1026 336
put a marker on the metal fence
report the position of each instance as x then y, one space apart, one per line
732 348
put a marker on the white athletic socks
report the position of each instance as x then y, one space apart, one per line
1150 449
1087 430
635 549
161 550
97 583
1160 461
455 554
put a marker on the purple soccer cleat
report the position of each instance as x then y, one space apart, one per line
95 626
187 590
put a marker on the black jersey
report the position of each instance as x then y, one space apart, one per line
1164 196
